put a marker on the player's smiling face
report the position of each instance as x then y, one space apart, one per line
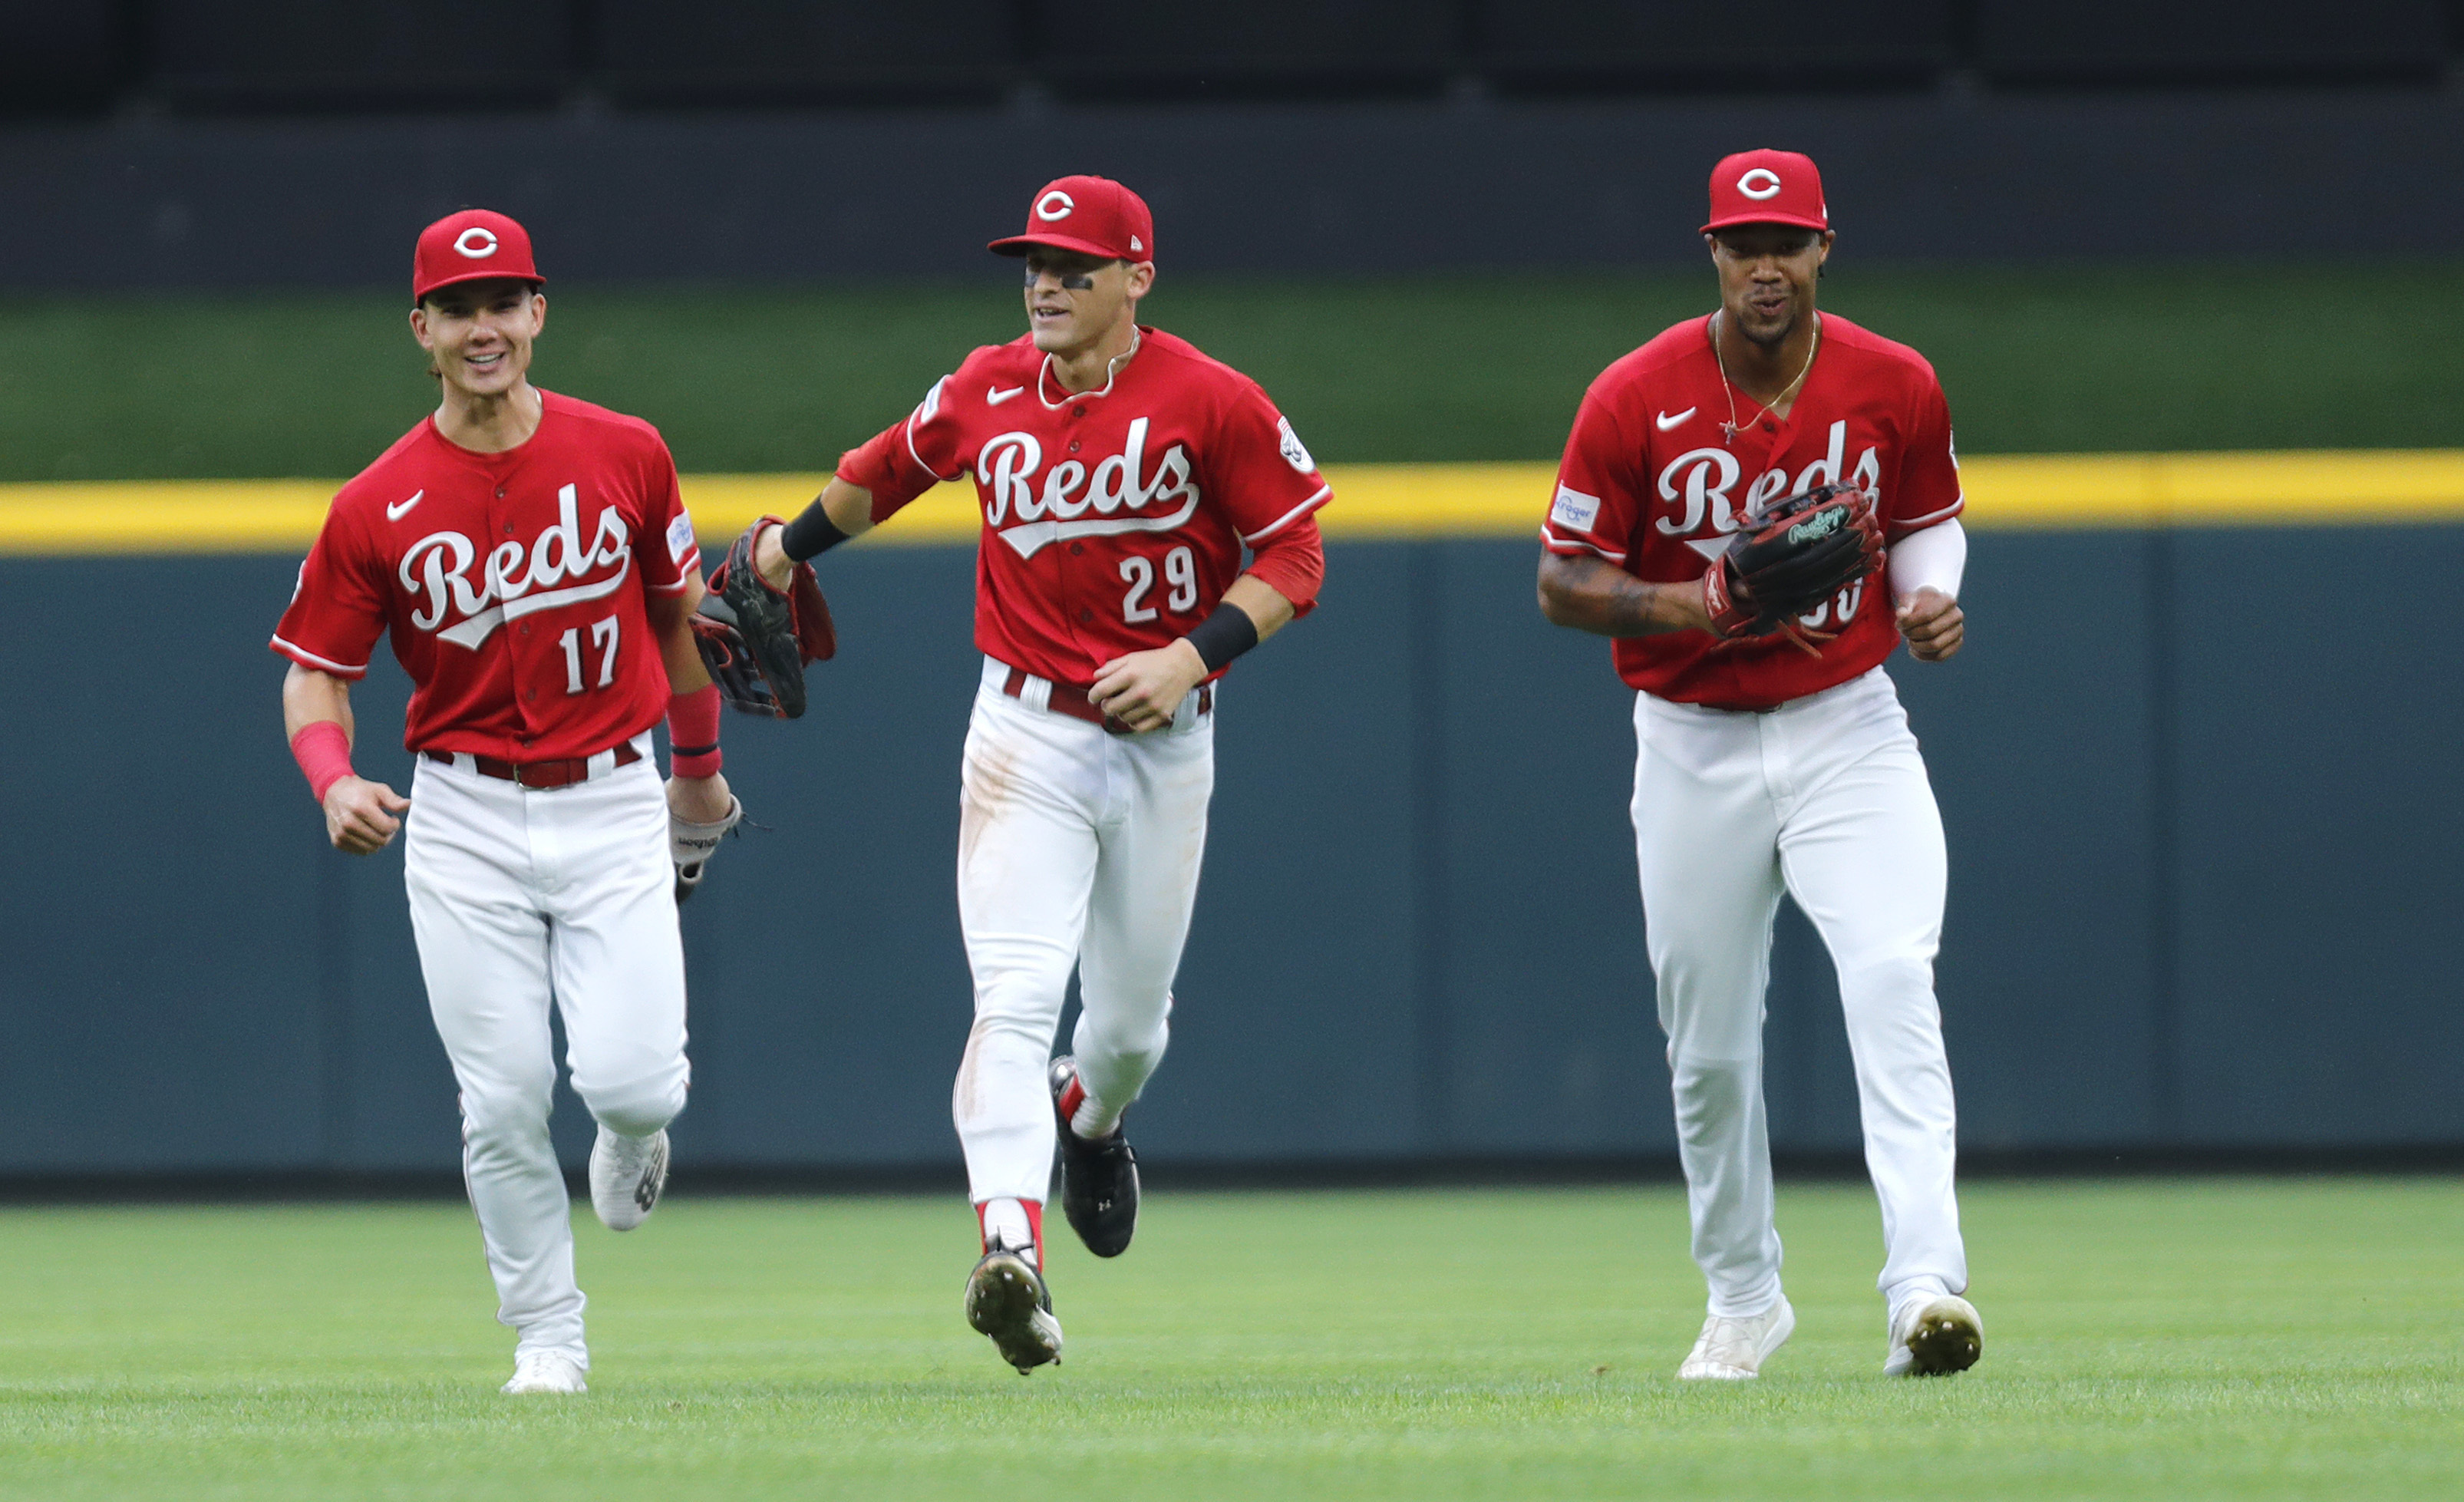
1074 301
1766 274
479 334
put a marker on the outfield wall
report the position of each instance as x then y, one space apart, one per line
2195 778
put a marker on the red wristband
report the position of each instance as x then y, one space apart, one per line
693 733
323 753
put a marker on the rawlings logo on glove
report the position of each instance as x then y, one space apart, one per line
1786 562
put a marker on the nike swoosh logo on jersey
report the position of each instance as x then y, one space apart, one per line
1666 422
397 513
994 396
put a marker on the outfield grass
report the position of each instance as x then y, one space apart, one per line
2235 1338
2036 360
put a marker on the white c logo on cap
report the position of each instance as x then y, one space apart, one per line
477 243
1766 187
1054 205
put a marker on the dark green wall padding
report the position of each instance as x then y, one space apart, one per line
2203 880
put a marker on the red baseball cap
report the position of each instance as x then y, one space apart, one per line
1766 187
1093 215
468 246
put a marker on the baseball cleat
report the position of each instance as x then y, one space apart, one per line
546 1372
1734 1350
1007 1301
1934 1336
627 1174
1099 1180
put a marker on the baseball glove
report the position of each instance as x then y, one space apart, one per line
756 639
1790 558
691 845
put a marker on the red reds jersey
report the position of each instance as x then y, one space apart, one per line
512 583
1114 519
1652 483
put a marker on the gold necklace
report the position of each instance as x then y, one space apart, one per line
1730 429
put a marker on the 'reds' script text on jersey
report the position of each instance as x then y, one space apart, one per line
1115 519
512 583
1652 483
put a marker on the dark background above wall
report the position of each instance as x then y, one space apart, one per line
850 199
73 57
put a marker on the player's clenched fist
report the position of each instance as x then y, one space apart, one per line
1932 623
362 817
1144 688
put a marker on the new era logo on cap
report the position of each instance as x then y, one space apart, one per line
1766 187
467 246
1093 215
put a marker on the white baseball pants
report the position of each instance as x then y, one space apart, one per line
521 898
1826 799
1076 848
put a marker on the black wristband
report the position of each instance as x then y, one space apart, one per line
1224 635
810 535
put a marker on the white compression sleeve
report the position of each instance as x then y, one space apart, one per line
1936 556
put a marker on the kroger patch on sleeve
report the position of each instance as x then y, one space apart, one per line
1574 511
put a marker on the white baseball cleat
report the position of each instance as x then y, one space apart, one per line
1733 1350
546 1372
1934 1336
627 1174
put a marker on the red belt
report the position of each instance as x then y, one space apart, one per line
537 774
1070 699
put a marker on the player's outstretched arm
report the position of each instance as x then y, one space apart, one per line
840 512
1591 594
361 817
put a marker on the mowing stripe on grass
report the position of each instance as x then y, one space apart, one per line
2322 487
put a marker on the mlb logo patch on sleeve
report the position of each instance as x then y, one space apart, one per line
680 536
1295 454
1574 511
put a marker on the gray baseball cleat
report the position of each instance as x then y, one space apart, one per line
1733 1350
627 1174
1934 1336
1007 1300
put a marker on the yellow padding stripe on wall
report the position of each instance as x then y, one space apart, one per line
2005 493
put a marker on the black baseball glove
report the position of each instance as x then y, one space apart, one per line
1784 563
756 639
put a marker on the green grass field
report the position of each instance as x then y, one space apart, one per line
2035 360
2211 1339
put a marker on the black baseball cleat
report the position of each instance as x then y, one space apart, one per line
1099 1180
1007 1301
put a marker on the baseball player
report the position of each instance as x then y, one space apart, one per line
1121 474
1772 753
532 559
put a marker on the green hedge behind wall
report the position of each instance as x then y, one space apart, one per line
2036 359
